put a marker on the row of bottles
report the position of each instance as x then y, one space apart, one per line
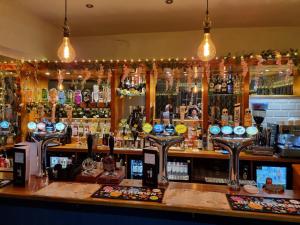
177 171
87 96
79 112
227 84
133 83
84 127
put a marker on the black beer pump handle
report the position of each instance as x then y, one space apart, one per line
90 145
111 144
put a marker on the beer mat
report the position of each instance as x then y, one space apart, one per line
130 193
264 204
68 190
195 198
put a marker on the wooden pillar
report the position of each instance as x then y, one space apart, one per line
245 96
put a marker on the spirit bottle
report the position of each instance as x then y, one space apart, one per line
211 86
224 86
229 84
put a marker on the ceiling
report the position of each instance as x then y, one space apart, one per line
141 16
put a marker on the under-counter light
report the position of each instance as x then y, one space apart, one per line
47 73
206 50
66 52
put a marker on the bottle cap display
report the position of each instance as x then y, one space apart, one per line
214 129
147 127
31 125
41 126
239 130
252 131
60 126
181 128
4 124
227 130
158 128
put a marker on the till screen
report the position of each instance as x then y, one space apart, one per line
58 160
277 174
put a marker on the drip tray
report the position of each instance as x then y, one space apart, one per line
3 183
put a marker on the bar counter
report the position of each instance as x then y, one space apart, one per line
74 147
23 203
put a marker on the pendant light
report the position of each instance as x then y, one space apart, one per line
206 50
66 52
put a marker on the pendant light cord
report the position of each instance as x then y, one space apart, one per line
206 7
66 11
66 27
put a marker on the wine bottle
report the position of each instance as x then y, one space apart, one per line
229 84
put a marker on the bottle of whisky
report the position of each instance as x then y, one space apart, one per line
224 86
211 85
218 85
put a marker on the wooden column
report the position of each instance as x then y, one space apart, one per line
150 96
245 96
116 102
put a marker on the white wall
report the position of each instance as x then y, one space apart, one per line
184 44
24 35
279 109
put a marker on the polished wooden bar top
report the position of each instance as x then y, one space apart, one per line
188 153
36 184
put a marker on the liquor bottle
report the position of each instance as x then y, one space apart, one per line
237 85
75 128
44 95
218 85
93 126
69 97
105 134
170 129
211 85
61 97
199 135
99 130
80 128
95 93
224 86
77 97
229 84
86 128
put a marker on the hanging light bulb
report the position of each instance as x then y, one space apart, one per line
66 52
206 50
